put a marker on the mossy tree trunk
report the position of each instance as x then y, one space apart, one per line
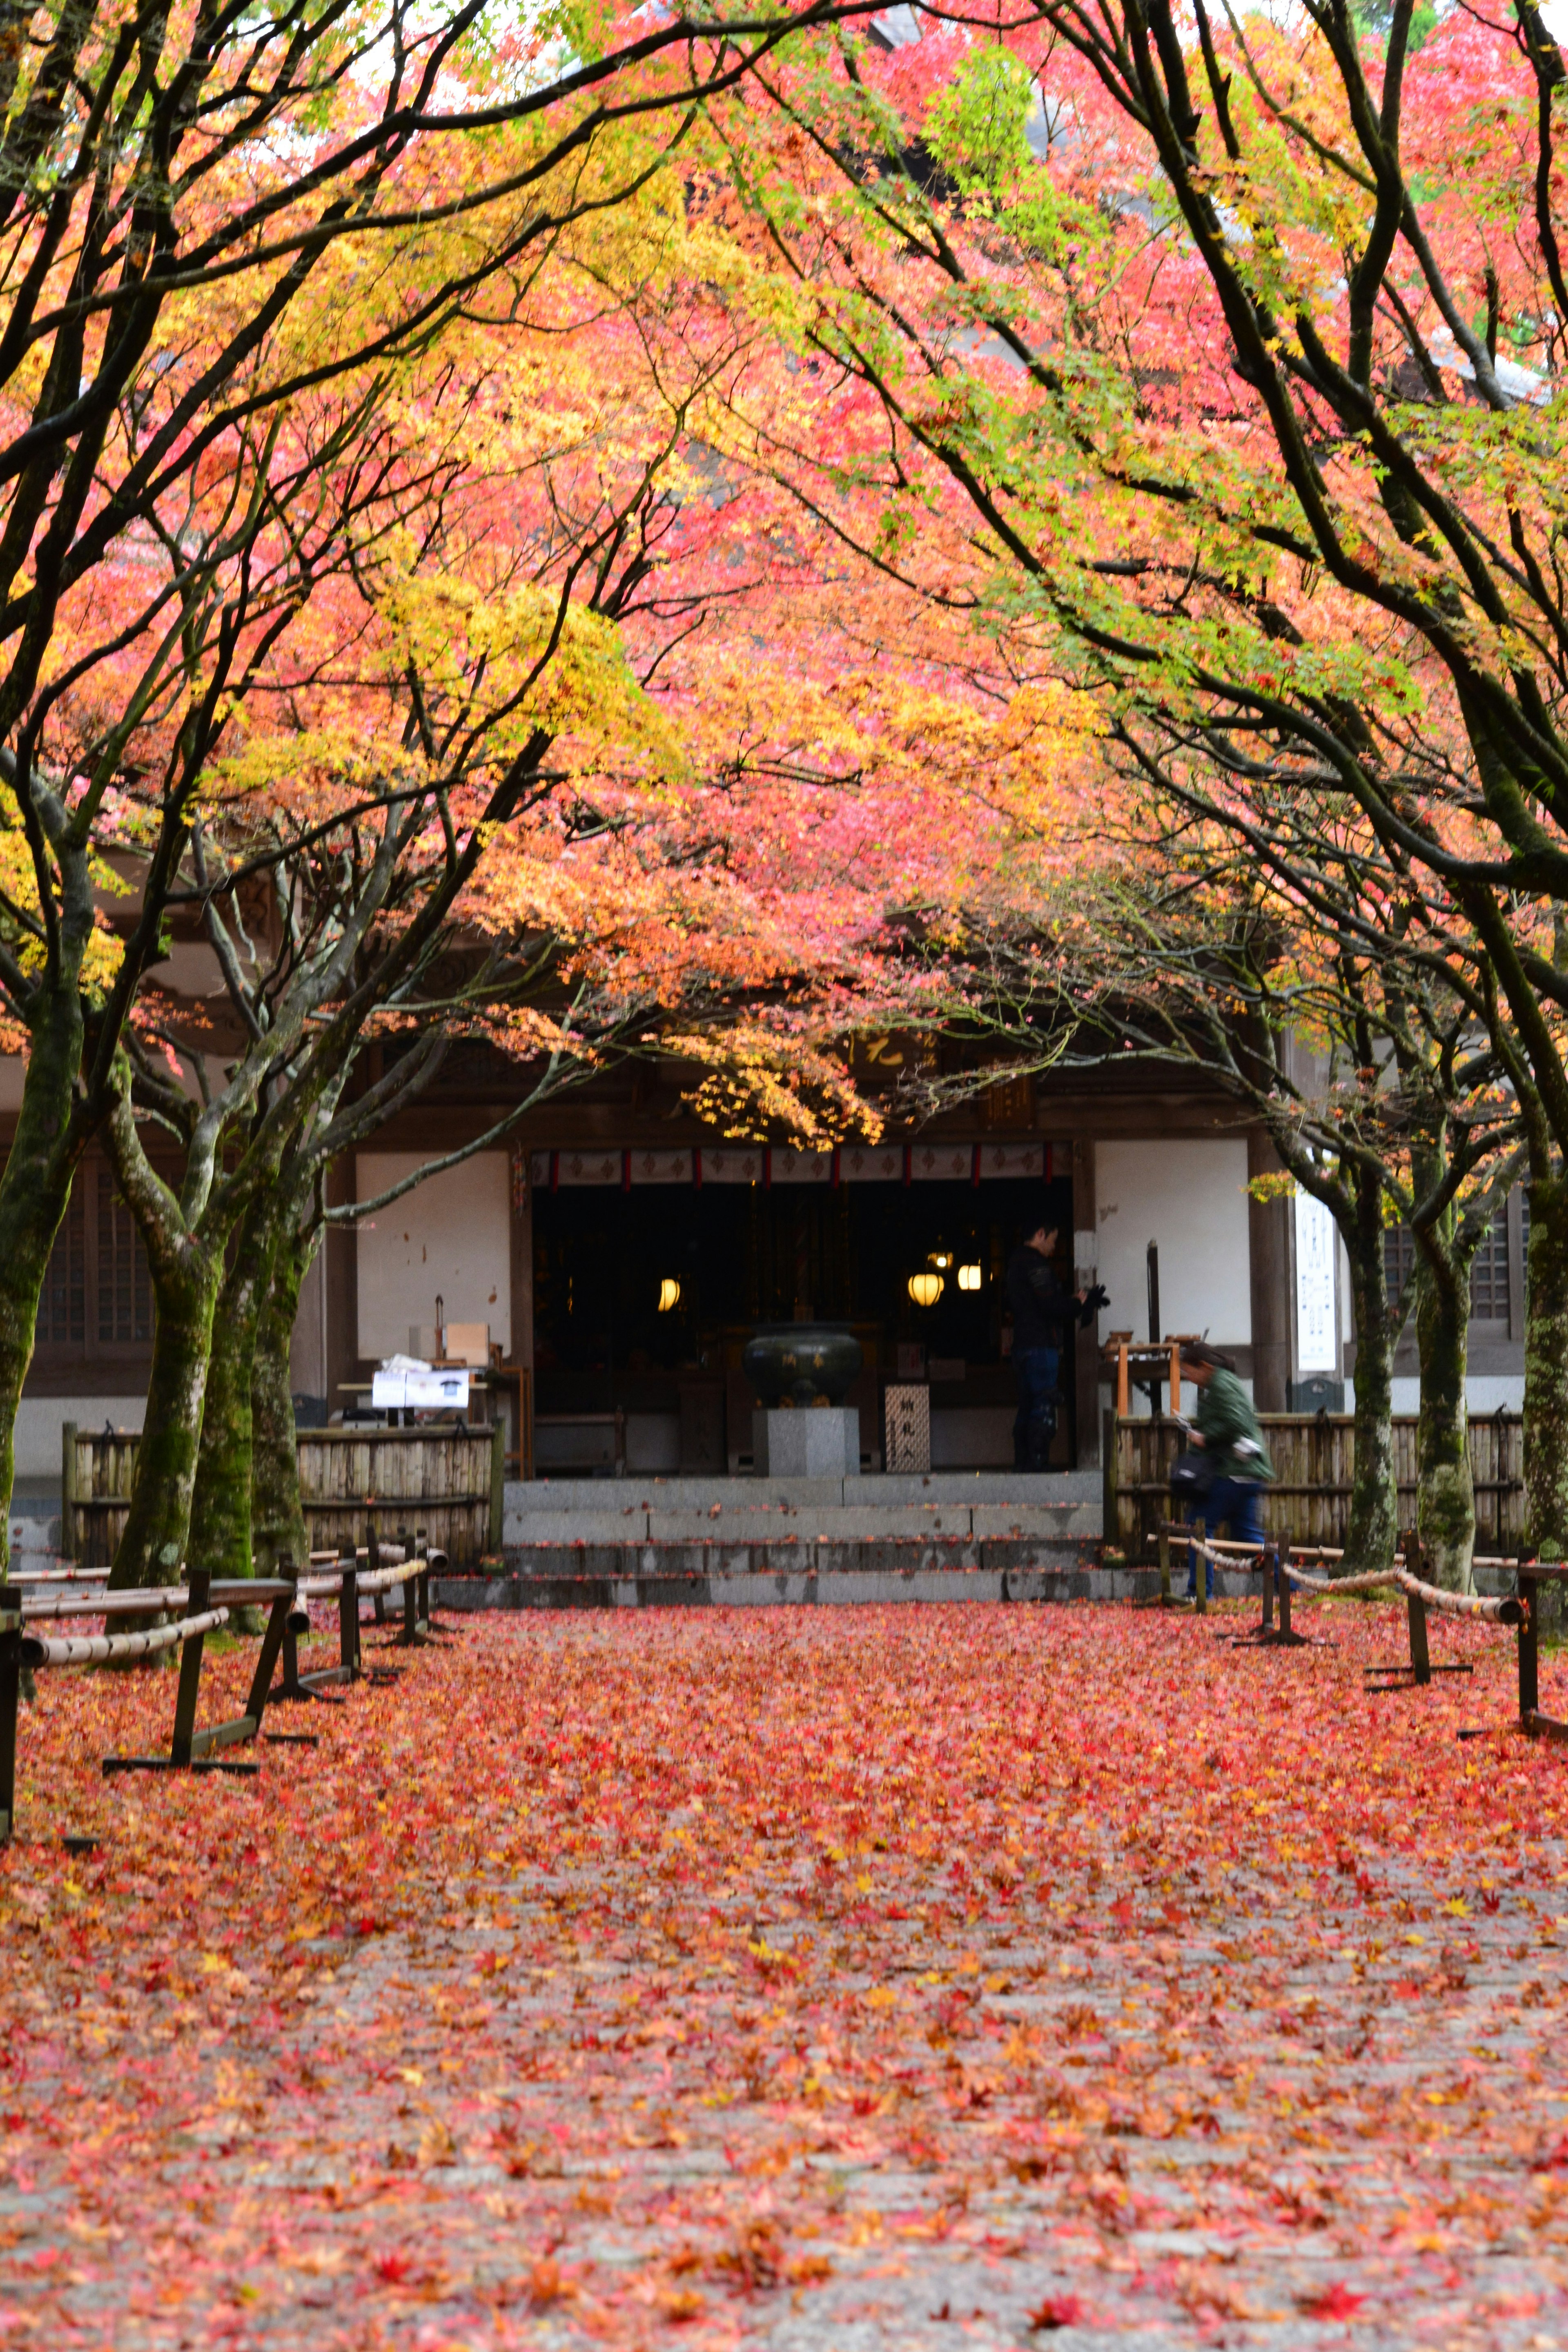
154 1544
1371 1530
1546 1368
186 1268
221 1535
1445 1491
277 1516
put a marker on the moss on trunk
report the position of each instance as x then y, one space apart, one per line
1546 1369
1445 1496
1371 1531
221 1533
154 1543
277 1518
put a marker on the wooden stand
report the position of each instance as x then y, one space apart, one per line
191 1750
295 1685
1532 1574
1418 1672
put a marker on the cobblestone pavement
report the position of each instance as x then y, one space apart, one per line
925 1977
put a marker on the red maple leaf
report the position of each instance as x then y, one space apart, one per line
1336 2301
1059 2311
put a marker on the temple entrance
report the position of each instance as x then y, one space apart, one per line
645 1297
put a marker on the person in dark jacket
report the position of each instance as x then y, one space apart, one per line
1228 1433
1043 1313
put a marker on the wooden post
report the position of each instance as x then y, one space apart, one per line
1420 1658
197 1580
1201 1580
410 1589
1164 1568
1529 1651
348 1612
1175 1380
1110 1525
1271 1579
1283 1580
422 1554
497 1490
271 1645
1123 1383
10 1693
371 1562
68 1490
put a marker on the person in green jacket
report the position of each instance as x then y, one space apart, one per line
1228 1433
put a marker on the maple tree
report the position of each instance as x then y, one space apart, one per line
1337 995
229 239
1212 367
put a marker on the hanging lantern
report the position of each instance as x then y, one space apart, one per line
668 1294
926 1289
969 1278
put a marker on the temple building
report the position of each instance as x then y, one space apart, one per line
607 1267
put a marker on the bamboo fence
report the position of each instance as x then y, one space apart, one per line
1314 1463
443 1482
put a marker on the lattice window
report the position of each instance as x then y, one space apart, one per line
1398 1259
62 1308
1489 1273
1488 1268
124 1283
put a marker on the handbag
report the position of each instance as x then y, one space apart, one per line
1192 1475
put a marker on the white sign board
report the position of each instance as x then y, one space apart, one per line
432 1392
1317 1241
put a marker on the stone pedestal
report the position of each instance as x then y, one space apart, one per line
814 1442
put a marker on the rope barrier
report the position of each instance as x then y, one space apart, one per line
107 1649
1399 1580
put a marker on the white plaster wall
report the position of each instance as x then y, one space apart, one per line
451 1235
1484 1393
39 1421
1189 1194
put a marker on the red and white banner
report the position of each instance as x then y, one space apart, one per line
1013 1160
871 1163
662 1167
857 1163
731 1163
792 1166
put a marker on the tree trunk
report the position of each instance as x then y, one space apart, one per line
1546 1369
221 1533
155 1541
1446 1499
277 1518
34 1192
1371 1532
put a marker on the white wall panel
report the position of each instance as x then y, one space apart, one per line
451 1235
1189 1194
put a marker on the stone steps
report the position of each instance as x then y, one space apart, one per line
720 1583
681 1524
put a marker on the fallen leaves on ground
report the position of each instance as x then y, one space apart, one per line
807 1979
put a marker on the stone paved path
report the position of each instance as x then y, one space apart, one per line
889 1979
